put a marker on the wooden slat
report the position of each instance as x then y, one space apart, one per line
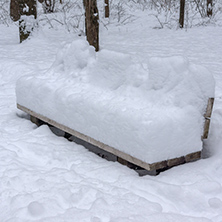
176 161
192 157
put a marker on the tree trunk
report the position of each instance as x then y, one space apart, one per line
14 10
182 7
84 5
25 12
91 22
209 8
106 8
28 15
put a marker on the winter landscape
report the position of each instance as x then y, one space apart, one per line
44 177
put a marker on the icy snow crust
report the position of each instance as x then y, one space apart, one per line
152 111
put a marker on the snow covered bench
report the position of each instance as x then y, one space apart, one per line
152 115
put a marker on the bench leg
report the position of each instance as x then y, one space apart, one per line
35 120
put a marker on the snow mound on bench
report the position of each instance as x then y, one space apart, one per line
152 111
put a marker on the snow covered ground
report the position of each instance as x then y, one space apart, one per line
46 178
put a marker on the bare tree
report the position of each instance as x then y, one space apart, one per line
84 5
25 12
182 9
106 8
91 22
209 8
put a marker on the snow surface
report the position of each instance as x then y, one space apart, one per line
153 113
46 178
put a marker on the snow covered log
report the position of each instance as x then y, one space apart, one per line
151 115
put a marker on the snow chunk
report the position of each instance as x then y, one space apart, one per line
113 70
184 83
74 58
166 73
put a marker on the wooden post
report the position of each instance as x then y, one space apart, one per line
182 7
106 8
209 8
91 22
37 121
207 116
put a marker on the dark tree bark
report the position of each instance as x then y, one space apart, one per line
91 23
25 12
14 10
182 9
22 7
106 8
84 5
209 8
26 8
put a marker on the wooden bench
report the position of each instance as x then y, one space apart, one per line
122 157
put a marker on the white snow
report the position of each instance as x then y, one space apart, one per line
46 178
28 22
147 113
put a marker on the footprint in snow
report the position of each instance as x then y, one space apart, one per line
35 209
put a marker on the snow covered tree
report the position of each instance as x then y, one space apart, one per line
25 12
91 22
